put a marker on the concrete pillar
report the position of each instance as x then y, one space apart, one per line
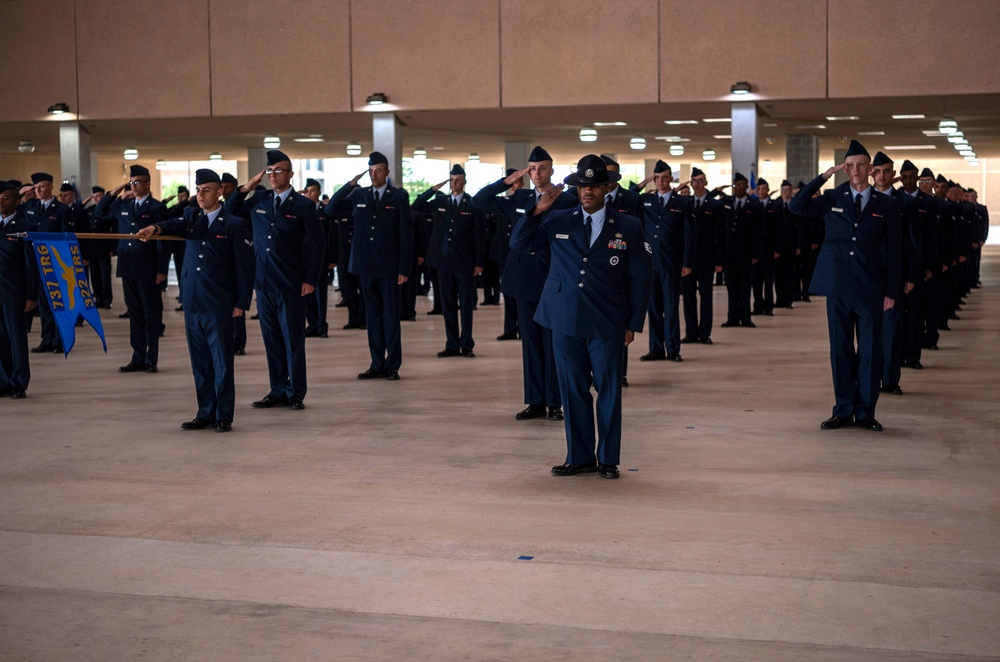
744 131
516 154
387 137
76 162
801 157
839 156
256 161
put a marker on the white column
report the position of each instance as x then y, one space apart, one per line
75 157
744 131
387 137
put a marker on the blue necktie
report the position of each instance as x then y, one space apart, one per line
589 227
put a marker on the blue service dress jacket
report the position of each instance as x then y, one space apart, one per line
218 270
458 236
289 244
860 259
382 243
19 280
597 291
524 274
670 231
137 260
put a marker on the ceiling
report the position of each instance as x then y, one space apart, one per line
454 134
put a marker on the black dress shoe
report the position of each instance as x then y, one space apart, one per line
5 392
953 316
944 327
686 340
768 313
706 341
132 367
180 307
790 306
268 401
348 327
341 304
409 318
891 388
434 312
653 356
196 424
675 357
869 424
609 471
624 382
835 423
916 365
749 324
529 412
239 351
311 333
42 348
729 325
150 369
805 297
508 336
255 316
296 404
554 414
323 334
931 346
448 352
756 312
468 353
18 394
392 375
223 426
123 315
372 374
571 469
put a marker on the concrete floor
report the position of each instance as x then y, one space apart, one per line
386 520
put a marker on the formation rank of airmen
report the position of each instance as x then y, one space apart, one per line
843 244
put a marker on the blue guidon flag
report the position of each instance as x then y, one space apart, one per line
64 280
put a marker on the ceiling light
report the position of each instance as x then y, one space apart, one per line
741 88
967 152
676 150
272 142
131 154
672 139
871 133
811 126
610 124
588 135
957 137
917 116
933 134
770 125
58 109
353 149
901 148
160 164
769 140
25 147
960 143
676 122
947 126
474 157
722 136
377 99
311 138
437 148
637 143
717 119
972 161
708 155
215 156
420 153
841 118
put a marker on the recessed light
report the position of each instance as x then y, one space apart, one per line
676 122
588 135
474 157
902 148
841 118
676 150
811 126
722 136
947 126
130 154
710 120
25 147
420 153
353 149
933 134
59 109
708 155
917 116
610 124
770 125
377 99
957 137
637 143
740 88
272 142
437 148
215 156
313 138
672 139
871 133
161 164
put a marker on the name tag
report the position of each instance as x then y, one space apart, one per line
647 204
837 209
562 236
519 211
259 211
362 205
442 209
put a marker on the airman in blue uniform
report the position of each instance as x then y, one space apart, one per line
18 281
498 252
523 279
288 242
216 285
381 255
858 271
141 266
229 186
457 249
709 257
744 241
100 252
594 302
316 304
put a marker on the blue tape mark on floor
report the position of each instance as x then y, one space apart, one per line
525 558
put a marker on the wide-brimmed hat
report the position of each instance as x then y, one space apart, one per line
592 171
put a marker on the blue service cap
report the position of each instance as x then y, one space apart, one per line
661 166
9 186
184 189
97 189
739 177
229 179
376 158
276 156
927 172
855 149
138 171
785 182
908 166
39 177
610 161
510 171
881 159
313 182
696 171
206 176
457 170
762 181
538 154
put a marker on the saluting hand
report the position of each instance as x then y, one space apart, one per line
831 171
252 184
513 177
641 185
128 195
437 187
354 182
117 191
168 199
547 199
